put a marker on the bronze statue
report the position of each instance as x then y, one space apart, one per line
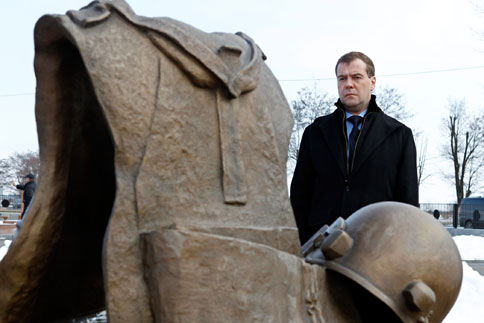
145 125
163 195
396 253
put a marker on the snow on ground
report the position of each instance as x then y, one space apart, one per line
470 247
4 248
468 307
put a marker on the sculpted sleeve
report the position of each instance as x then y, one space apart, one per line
407 182
302 184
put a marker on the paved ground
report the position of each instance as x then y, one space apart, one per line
2 241
465 232
477 265
12 214
3 237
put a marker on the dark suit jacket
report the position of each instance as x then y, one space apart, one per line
323 188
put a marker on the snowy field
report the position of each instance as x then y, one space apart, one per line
469 306
4 248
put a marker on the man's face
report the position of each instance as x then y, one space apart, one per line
354 85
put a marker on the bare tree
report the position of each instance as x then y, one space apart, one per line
478 6
465 148
312 104
421 144
392 103
309 105
16 167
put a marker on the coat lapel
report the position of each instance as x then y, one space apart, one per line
333 135
374 132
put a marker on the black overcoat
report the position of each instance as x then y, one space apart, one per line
324 188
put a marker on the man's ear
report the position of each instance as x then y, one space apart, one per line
373 82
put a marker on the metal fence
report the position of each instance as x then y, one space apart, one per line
446 213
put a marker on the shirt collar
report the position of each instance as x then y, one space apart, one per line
361 114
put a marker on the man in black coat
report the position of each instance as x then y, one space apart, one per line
29 190
346 162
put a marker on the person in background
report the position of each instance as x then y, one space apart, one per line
436 214
476 216
28 191
353 157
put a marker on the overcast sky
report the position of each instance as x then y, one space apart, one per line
428 50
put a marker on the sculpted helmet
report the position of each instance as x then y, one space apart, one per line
396 252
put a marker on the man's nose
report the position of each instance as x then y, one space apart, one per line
349 83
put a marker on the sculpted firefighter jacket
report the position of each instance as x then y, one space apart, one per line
325 187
